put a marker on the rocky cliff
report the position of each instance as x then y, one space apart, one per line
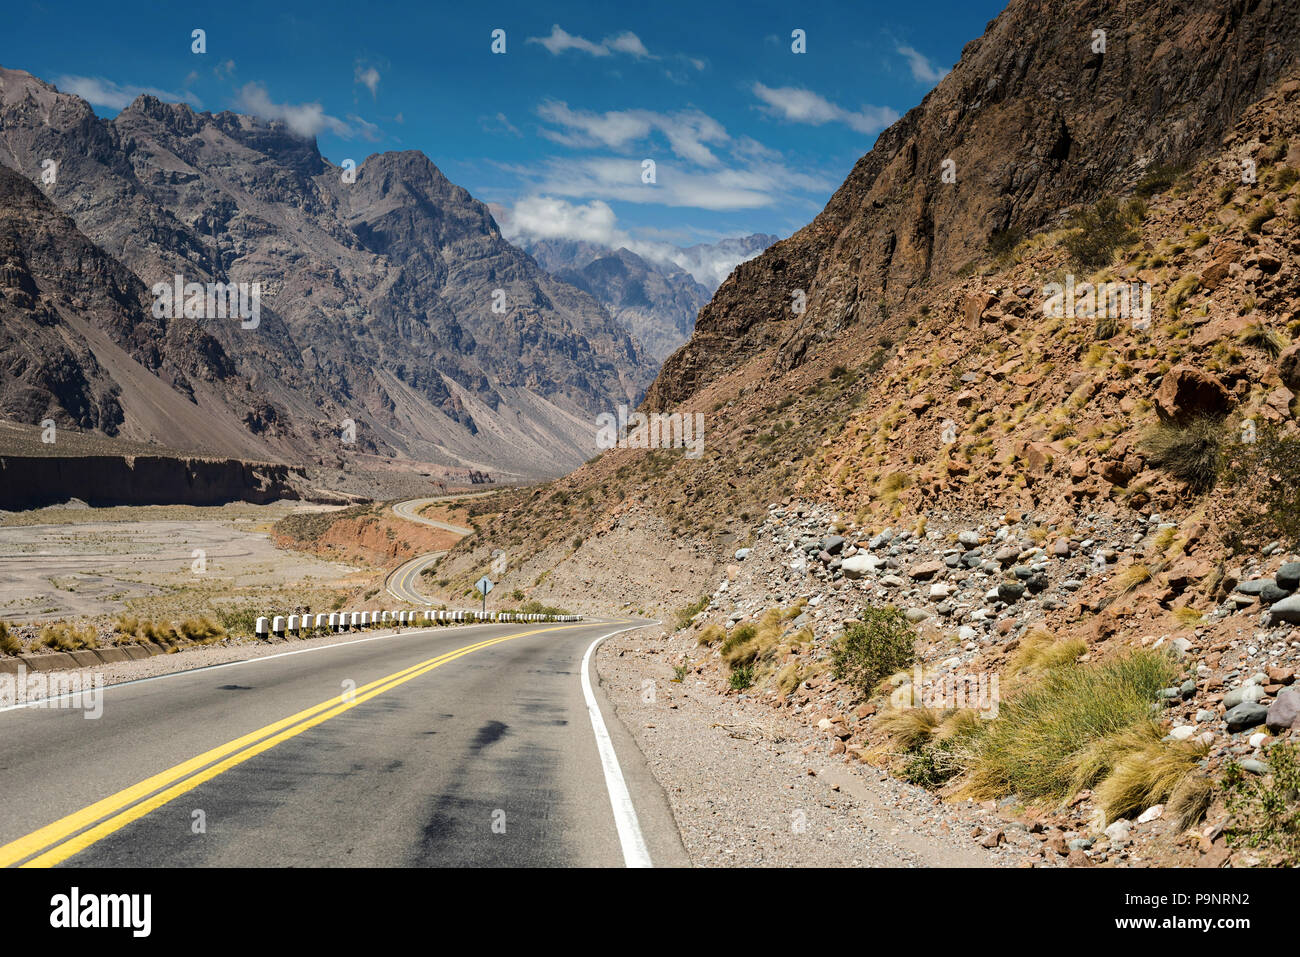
388 298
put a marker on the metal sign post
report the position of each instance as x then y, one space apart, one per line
484 585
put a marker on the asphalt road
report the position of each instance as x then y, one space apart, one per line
467 746
403 582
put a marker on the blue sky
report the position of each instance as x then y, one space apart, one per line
746 135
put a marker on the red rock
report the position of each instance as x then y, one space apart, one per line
1187 392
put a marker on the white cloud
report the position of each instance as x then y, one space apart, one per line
561 41
923 71
687 132
367 77
101 92
619 178
304 119
804 106
629 43
547 217
497 124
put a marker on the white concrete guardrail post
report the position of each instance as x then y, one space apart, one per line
277 626
260 627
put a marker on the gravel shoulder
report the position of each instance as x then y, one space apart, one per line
752 788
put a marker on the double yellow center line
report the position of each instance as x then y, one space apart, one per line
70 835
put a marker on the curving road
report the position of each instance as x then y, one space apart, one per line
486 745
402 581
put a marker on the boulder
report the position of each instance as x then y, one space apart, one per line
1288 610
1248 714
1288 367
1283 712
1187 392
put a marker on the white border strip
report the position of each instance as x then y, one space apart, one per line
635 853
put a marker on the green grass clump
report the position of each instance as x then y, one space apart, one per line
684 615
1046 736
871 650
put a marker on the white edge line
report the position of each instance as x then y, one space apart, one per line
249 661
635 853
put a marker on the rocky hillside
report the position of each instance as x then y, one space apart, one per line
391 300
1032 122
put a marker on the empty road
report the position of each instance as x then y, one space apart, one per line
470 746
403 582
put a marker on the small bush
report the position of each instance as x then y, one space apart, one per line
1265 811
1096 233
742 677
880 645
1191 452
9 642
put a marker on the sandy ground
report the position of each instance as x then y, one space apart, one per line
70 568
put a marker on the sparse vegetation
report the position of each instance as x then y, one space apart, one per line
1191 452
1045 741
882 643
1097 232
685 615
1266 811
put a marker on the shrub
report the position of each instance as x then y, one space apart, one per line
1097 232
1044 742
1191 452
742 677
9 642
1265 812
871 650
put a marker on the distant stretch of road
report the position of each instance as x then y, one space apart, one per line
484 745
402 583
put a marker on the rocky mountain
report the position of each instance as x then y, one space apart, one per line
394 319
712 263
655 295
1037 116
656 303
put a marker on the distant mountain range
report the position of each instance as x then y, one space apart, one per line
655 295
394 319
